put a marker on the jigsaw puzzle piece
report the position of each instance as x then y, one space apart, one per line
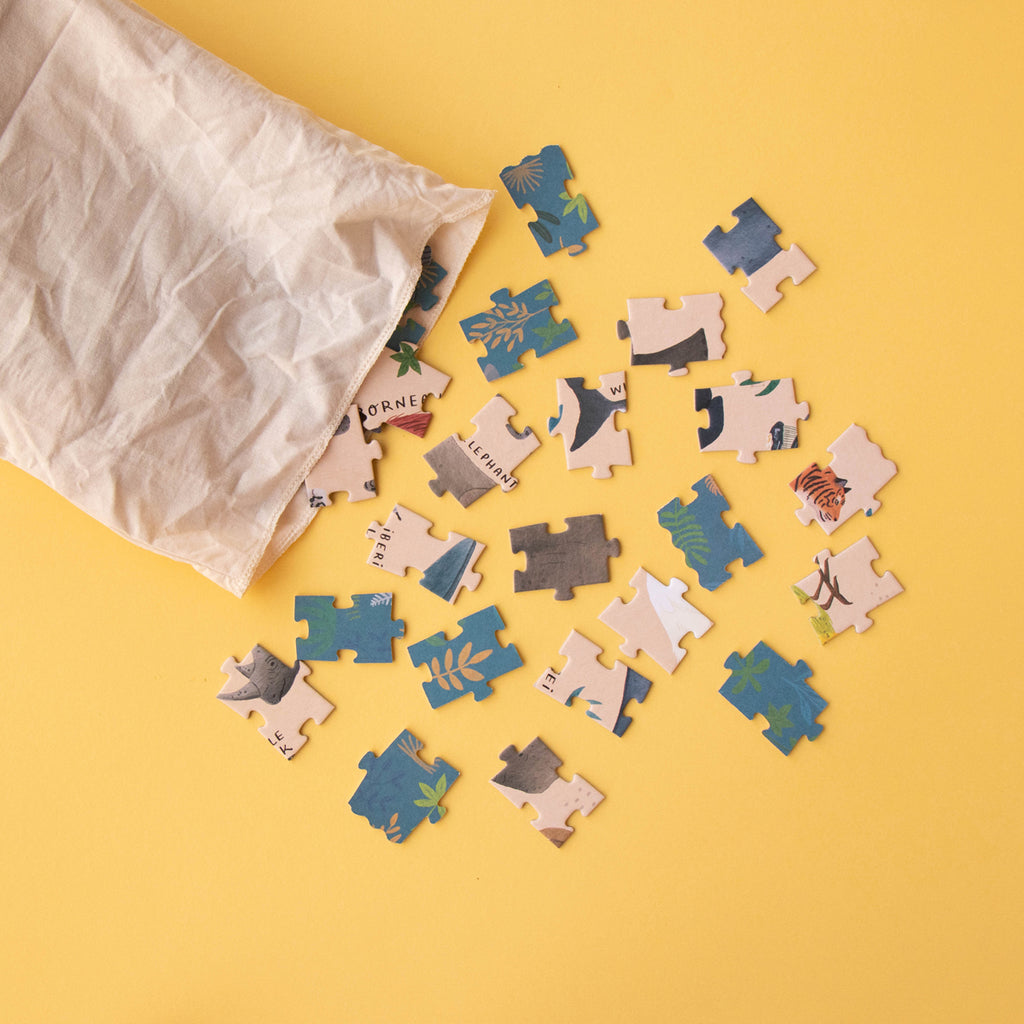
531 776
674 337
765 683
699 531
762 286
366 628
405 540
845 588
396 387
560 561
401 789
346 464
586 423
540 181
431 275
468 663
833 494
278 692
469 469
749 416
516 324
656 619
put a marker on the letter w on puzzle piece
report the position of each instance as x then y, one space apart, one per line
366 628
586 422
674 337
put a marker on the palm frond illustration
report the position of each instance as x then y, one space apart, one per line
408 745
447 677
526 176
686 531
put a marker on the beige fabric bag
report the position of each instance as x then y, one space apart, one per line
195 276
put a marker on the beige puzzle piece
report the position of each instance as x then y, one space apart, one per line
346 464
674 337
387 395
586 424
762 284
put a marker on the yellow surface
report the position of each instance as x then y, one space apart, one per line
161 864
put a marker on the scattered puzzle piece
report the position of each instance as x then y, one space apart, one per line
562 220
469 662
404 541
346 464
366 628
845 588
749 416
514 325
833 494
656 619
606 690
469 469
531 776
401 789
586 422
699 531
576 556
765 683
674 337
278 692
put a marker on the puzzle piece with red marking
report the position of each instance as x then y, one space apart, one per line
346 464
575 557
366 628
586 423
674 337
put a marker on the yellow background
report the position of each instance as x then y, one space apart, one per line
161 864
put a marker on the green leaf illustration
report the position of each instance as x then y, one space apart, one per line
550 333
577 204
406 359
747 673
686 532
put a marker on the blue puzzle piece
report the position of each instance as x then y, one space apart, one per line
401 789
431 276
366 628
765 683
750 244
410 333
699 531
562 220
516 324
469 662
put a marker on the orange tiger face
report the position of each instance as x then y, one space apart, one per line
822 489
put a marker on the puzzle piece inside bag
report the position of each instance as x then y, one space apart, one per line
586 423
346 464
606 690
276 691
749 416
531 776
516 324
469 469
833 494
431 275
750 246
656 619
674 337
401 789
560 561
405 541
765 683
845 588
540 181
467 663
366 628
699 531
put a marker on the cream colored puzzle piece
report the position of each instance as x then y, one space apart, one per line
762 284
658 334
586 424
346 464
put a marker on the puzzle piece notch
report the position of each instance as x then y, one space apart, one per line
575 557
396 387
468 662
405 540
700 532
278 692
845 587
762 286
765 683
674 337
833 494
531 776
586 423
656 619
346 464
401 788
539 180
750 416
366 628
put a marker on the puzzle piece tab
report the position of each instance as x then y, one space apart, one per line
404 540
469 469
749 416
699 531
575 557
656 619
833 494
586 422
468 663
845 588
366 628
765 683
395 388
531 776
516 324
276 691
562 220
346 464
674 337
401 789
